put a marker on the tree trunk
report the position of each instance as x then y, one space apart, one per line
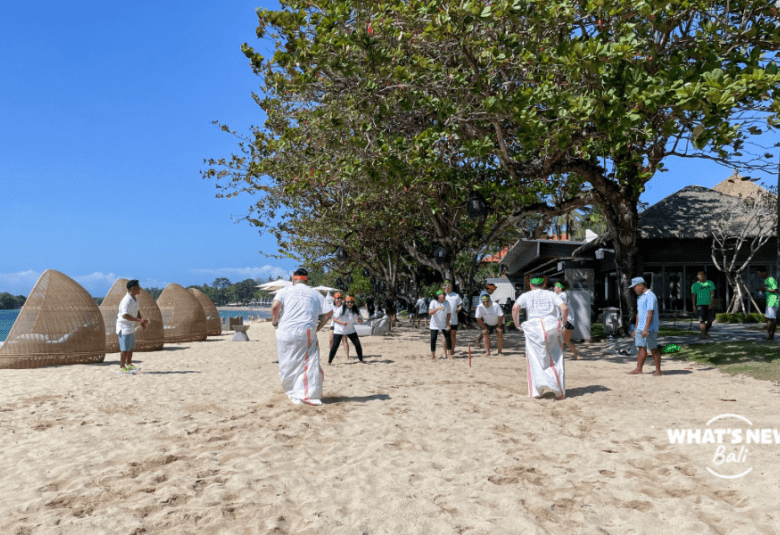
622 220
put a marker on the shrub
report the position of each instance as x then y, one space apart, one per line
739 317
722 317
755 317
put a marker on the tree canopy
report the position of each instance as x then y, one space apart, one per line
395 111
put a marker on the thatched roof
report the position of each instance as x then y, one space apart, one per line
738 186
689 213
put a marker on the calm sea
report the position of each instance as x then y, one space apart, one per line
8 317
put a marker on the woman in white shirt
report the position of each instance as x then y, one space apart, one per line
344 318
440 312
560 289
338 300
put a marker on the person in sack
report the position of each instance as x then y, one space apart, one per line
440 312
305 313
344 318
491 319
543 338
568 326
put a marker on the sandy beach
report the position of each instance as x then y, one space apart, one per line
204 441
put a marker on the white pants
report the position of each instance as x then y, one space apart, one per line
544 353
299 365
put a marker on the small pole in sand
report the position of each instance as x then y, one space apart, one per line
469 355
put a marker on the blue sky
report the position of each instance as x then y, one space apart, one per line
104 125
105 119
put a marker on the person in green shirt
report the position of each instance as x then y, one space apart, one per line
772 298
702 294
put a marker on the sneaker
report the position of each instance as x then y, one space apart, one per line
124 371
133 369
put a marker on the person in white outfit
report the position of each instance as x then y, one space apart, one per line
543 344
456 304
422 311
439 311
568 327
305 313
491 319
344 318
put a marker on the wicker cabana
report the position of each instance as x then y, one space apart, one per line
59 324
184 319
149 339
213 323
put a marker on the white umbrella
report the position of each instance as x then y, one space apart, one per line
275 285
325 289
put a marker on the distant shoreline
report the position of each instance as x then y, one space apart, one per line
244 309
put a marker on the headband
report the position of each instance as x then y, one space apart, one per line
300 278
337 296
560 285
446 283
537 281
439 292
350 297
491 285
486 298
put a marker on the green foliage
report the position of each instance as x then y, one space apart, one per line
9 302
739 317
383 116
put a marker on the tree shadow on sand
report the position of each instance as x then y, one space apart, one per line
330 400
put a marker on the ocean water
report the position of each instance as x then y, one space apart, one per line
8 317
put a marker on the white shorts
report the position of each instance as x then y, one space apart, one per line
771 313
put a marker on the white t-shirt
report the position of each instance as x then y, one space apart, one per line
347 316
439 318
128 305
302 307
422 308
489 314
455 301
565 299
539 303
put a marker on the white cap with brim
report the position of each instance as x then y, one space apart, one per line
637 280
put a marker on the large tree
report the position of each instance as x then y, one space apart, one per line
599 92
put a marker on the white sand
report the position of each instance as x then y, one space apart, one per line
205 441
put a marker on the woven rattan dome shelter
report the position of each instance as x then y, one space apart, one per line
58 324
149 339
213 323
184 319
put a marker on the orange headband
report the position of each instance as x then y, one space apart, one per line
337 296
350 297
300 278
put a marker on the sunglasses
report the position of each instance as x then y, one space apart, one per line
350 302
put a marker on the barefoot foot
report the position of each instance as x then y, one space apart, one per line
635 372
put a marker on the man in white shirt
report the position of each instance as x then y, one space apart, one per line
128 316
305 313
542 330
456 304
491 318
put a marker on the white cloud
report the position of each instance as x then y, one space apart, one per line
239 274
18 283
97 284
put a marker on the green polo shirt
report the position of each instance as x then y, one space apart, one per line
771 299
702 291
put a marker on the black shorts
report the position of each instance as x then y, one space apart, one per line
705 313
568 326
491 328
453 327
